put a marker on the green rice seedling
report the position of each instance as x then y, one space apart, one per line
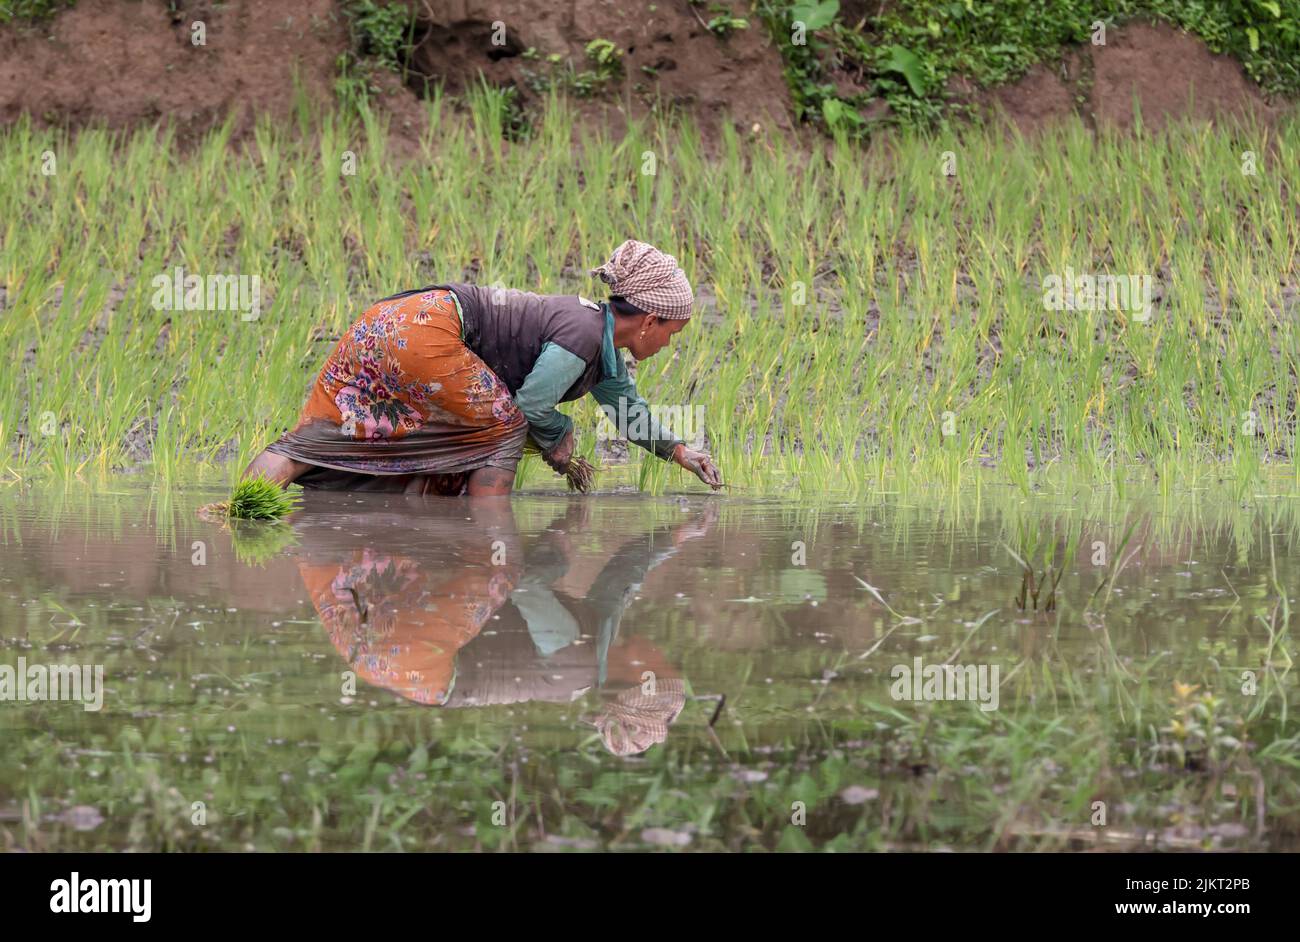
854 329
258 499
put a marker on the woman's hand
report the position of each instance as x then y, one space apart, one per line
579 472
699 464
560 454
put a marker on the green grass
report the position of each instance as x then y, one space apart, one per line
863 316
31 10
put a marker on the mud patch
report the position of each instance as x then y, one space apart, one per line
1170 74
1041 97
121 63
670 61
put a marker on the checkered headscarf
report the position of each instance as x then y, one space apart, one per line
635 720
648 278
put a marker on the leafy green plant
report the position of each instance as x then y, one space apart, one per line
1199 734
604 56
905 62
905 54
841 116
724 24
607 58
260 499
381 39
31 10
382 31
815 16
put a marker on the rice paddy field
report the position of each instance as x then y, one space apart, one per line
852 301
1096 503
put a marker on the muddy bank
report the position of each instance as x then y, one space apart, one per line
124 63
1168 73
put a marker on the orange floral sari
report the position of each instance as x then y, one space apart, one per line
403 404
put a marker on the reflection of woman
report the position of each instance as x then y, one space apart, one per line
641 692
414 626
567 646
399 620
399 623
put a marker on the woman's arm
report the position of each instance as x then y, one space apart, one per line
619 396
554 372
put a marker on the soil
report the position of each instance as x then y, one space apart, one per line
121 63
1171 74
670 59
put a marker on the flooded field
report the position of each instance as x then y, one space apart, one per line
979 671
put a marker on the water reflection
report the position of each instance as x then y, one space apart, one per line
470 611
522 618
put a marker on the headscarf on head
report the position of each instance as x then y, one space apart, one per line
648 278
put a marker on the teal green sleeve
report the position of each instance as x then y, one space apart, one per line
619 397
554 372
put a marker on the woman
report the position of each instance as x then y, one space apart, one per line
436 390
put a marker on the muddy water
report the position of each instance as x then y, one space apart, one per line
555 673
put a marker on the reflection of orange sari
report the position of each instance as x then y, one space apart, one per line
400 624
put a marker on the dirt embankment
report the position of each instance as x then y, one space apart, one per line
123 63
1169 73
127 62
670 59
